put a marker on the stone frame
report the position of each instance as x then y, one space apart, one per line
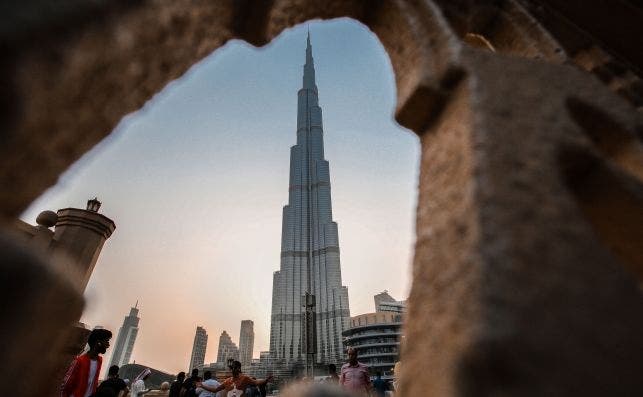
528 263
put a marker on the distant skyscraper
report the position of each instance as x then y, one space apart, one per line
198 348
227 349
246 341
126 338
309 243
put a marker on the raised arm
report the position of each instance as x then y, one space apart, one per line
259 382
210 388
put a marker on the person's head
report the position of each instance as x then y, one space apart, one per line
352 355
195 373
332 369
235 367
378 374
181 376
113 371
165 386
207 375
98 340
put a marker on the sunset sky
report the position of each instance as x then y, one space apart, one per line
196 180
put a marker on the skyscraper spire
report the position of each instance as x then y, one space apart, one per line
309 67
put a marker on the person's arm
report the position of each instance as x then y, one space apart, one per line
342 377
367 380
259 382
70 379
210 388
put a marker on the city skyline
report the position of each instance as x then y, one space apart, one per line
177 246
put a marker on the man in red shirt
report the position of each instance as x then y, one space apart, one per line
81 378
354 375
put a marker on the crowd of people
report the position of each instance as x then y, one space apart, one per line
81 379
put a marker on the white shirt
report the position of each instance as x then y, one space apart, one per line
93 366
210 383
137 387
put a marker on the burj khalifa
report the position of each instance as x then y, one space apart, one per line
309 244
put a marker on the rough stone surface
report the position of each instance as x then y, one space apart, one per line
528 266
540 271
38 310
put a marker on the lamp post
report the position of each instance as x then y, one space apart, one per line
93 205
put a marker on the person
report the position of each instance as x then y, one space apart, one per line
208 381
262 390
252 390
354 375
175 388
380 385
189 385
113 382
332 372
81 379
397 373
236 385
138 385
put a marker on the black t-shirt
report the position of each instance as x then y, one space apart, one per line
116 384
175 389
190 385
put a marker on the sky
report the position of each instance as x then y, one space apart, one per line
195 182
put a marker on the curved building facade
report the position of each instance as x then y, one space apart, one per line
376 336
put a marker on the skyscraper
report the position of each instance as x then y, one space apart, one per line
227 349
198 348
309 243
126 338
246 341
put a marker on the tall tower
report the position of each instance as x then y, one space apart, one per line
126 338
198 348
309 243
246 341
227 349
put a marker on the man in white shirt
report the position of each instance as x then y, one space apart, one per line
208 381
